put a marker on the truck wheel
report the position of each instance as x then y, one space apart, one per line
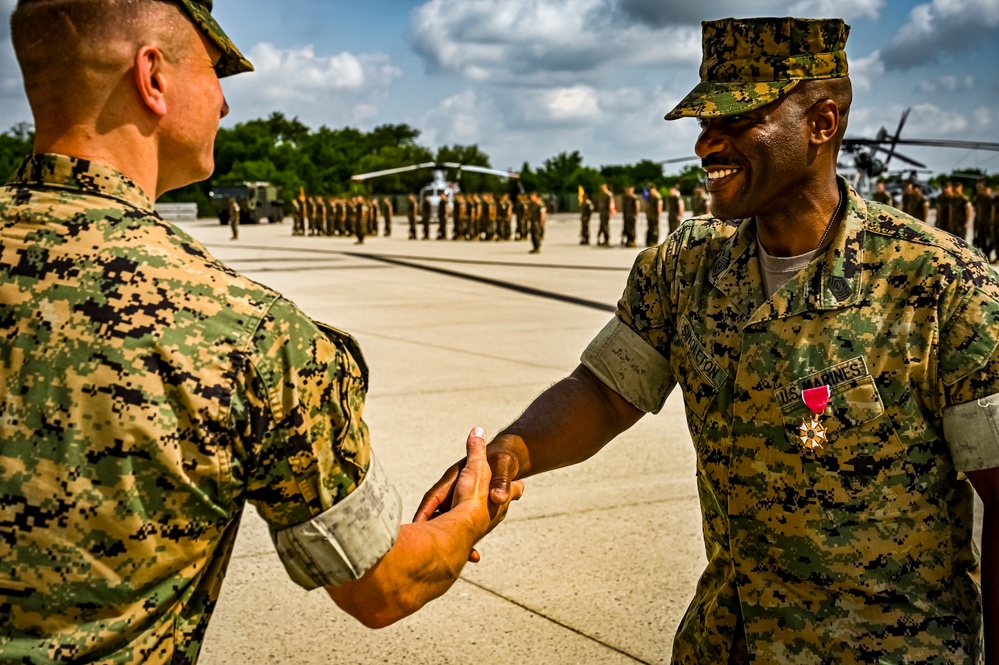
223 217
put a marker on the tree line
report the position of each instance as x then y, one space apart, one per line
286 152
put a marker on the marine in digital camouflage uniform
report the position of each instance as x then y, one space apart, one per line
411 212
585 214
629 213
234 218
984 223
960 209
698 202
537 214
882 195
149 392
653 213
839 364
606 207
674 209
914 203
943 208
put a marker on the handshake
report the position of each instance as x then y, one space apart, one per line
429 554
478 487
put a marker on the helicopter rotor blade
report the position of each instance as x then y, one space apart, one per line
943 143
902 158
488 171
898 133
401 169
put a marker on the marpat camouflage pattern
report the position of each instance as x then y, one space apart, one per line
148 393
859 551
749 63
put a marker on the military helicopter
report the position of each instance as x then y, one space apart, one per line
439 187
868 165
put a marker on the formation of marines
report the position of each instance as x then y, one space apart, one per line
466 217
356 216
472 216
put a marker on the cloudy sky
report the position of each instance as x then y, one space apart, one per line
527 79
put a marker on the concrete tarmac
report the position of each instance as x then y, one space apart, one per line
595 564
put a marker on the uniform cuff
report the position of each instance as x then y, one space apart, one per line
972 433
630 366
342 543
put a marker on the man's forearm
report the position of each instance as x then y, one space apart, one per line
568 423
425 561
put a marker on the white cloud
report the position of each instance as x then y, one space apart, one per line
984 117
464 119
13 102
659 13
865 72
553 42
929 120
940 27
301 74
334 90
947 83
845 9
576 104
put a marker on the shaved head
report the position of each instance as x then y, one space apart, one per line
71 52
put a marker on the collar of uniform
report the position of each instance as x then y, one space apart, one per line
72 173
841 272
833 281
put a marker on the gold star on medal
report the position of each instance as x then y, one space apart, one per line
812 434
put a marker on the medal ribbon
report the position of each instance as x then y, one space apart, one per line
816 399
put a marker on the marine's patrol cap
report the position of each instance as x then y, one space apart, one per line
749 63
200 13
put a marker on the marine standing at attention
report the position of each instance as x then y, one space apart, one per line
606 207
653 213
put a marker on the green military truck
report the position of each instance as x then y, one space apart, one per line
257 201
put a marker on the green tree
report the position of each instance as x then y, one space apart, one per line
15 145
690 177
557 171
471 155
392 157
529 181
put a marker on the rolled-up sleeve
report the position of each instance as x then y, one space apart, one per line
969 373
303 453
972 433
631 353
345 541
629 365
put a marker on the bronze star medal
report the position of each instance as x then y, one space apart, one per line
812 432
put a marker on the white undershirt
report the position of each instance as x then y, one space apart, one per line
778 270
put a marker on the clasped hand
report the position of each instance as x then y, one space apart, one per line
481 483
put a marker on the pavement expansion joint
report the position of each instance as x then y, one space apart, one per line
555 621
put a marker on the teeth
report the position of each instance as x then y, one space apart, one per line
714 175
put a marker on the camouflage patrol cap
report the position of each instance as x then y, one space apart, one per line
749 63
200 13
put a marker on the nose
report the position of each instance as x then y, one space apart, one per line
225 109
709 141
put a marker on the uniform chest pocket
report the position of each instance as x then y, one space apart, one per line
861 471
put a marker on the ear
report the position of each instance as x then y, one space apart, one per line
823 122
150 79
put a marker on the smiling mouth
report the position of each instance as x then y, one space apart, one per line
718 174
